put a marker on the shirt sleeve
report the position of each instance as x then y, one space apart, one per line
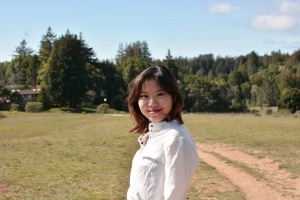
181 162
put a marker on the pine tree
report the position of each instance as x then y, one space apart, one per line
66 78
18 66
22 50
46 45
32 71
252 63
170 63
133 59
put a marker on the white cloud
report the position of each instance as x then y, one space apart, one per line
221 8
274 22
280 15
288 7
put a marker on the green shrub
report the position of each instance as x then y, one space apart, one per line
34 107
269 111
253 111
257 114
44 99
284 112
103 108
290 99
237 105
14 107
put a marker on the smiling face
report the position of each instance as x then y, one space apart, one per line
154 103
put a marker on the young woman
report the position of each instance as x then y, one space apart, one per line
163 167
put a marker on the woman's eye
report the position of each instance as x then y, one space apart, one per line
160 94
143 96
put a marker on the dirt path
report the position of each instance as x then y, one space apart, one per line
266 182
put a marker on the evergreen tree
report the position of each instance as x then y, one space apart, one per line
113 88
3 73
277 57
46 45
66 78
236 78
18 66
44 99
23 50
121 53
203 96
169 62
146 55
202 64
32 71
252 63
133 59
4 97
290 99
287 79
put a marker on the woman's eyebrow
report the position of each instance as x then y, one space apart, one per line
159 90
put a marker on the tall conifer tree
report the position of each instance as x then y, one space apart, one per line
66 78
46 45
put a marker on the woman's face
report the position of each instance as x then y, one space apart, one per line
154 103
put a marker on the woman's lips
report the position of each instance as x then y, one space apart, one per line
154 111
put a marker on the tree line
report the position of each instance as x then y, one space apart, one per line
69 73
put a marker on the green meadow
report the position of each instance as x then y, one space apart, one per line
64 155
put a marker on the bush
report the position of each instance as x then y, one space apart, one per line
14 107
269 111
237 105
253 111
34 107
103 108
290 99
284 112
257 114
44 99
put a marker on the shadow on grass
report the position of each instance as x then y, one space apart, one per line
86 109
2 116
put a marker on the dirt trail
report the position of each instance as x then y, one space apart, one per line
272 184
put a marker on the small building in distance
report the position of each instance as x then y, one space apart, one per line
28 95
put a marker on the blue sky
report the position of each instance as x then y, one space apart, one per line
186 27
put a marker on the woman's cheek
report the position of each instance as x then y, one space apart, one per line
141 103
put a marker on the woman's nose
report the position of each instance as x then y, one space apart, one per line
153 102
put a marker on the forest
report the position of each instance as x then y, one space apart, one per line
68 73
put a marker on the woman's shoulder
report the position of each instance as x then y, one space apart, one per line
177 131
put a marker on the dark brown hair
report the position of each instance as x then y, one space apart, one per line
167 83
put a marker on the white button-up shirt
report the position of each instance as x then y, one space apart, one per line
162 169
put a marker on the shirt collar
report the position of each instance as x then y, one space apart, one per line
155 128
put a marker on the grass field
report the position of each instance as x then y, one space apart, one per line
88 156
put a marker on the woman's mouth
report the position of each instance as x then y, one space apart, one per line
154 111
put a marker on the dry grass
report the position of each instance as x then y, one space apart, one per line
88 156
65 156
276 137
